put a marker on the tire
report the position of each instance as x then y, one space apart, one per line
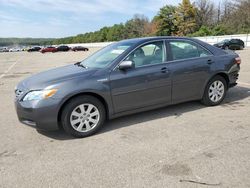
226 47
75 116
216 96
241 47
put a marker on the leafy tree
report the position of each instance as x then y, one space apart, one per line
136 26
150 29
185 18
220 30
116 32
203 31
103 34
164 21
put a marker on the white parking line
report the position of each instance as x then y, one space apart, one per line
244 84
10 67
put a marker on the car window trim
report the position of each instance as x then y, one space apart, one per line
194 58
148 42
189 41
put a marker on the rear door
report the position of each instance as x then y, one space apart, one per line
235 44
190 69
148 83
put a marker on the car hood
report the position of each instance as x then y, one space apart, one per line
54 76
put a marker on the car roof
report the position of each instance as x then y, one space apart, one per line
138 41
145 39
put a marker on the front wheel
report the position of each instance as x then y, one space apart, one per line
215 91
83 116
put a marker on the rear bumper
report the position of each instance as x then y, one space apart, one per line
38 114
234 76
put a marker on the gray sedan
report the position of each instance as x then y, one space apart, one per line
126 77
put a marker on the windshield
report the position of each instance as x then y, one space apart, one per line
107 55
226 40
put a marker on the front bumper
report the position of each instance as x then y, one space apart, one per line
38 114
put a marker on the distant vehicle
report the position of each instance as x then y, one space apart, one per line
14 50
4 50
63 48
232 44
48 49
79 48
126 77
34 49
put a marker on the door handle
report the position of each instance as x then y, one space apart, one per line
164 70
210 61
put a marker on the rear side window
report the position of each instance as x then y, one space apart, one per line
185 50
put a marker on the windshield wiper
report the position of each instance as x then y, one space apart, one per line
80 65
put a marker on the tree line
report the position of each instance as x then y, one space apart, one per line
25 41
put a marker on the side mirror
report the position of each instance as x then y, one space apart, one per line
126 65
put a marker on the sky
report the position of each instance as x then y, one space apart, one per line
61 18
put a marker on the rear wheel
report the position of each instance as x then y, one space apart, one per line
83 116
241 47
215 91
226 48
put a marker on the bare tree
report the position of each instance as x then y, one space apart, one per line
205 12
236 16
218 12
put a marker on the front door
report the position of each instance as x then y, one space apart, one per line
148 83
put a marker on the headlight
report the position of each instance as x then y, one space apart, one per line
39 95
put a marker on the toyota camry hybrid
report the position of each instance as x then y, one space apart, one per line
126 77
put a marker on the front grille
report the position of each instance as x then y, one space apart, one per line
18 93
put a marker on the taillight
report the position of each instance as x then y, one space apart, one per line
238 60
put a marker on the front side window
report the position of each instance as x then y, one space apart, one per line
185 50
148 54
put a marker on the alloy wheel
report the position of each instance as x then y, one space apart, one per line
84 117
216 91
